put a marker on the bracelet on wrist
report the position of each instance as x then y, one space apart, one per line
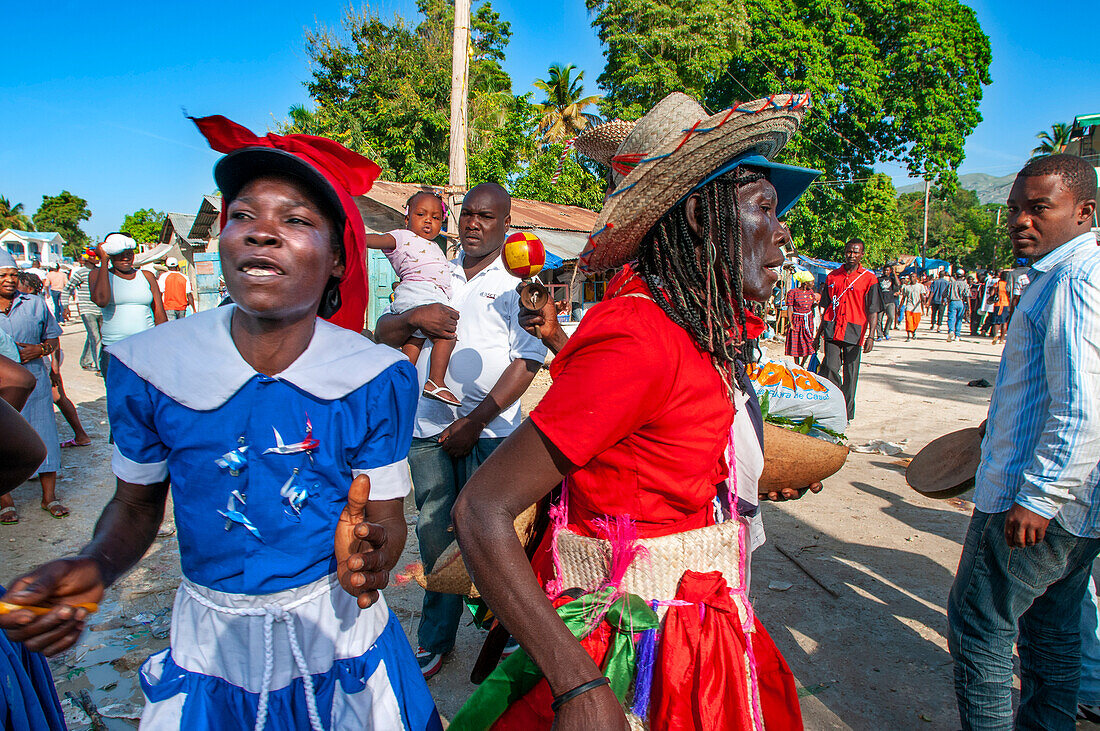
560 700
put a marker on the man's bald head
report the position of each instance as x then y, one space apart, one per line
494 194
484 221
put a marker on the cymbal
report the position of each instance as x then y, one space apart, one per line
947 465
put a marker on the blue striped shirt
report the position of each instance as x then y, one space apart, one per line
1042 444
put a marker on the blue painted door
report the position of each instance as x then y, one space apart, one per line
208 274
381 279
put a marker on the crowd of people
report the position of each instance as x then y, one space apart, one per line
854 307
289 442
979 301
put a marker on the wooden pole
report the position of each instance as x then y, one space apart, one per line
924 244
460 72
996 235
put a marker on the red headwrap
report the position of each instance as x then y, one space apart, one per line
349 174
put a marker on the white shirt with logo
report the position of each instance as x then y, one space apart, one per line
489 339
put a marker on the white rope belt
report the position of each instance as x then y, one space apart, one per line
274 613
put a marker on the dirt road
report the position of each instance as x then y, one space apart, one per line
874 657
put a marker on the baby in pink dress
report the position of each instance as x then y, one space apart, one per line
425 276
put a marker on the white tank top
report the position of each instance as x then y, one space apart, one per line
131 308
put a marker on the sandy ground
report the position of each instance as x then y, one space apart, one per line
874 657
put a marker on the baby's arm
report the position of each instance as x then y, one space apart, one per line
385 242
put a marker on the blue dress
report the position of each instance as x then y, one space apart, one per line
262 634
28 699
29 321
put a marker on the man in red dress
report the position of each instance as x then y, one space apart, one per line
851 300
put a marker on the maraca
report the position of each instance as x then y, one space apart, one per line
524 256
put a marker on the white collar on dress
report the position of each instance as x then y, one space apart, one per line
195 362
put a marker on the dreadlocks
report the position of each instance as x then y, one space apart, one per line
702 294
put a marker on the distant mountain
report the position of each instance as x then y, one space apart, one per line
988 188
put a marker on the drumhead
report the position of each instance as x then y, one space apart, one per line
947 465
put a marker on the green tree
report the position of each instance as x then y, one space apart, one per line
12 215
875 219
143 225
960 229
654 47
1054 141
891 80
577 184
62 214
563 114
383 88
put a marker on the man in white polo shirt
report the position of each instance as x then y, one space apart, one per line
492 365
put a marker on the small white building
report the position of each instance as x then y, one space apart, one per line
26 246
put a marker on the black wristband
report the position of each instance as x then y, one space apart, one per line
569 695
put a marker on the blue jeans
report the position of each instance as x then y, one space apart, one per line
175 314
1030 596
89 359
437 478
1089 692
955 311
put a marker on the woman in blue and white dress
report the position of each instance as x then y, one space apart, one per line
263 417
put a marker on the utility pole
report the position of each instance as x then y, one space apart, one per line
924 244
996 235
460 73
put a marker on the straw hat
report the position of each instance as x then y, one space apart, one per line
675 148
448 575
600 143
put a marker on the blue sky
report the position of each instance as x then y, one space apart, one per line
94 90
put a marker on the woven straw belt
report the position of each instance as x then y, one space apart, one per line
655 574
584 562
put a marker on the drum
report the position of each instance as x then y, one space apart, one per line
793 460
947 465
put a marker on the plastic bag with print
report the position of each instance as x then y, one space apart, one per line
795 393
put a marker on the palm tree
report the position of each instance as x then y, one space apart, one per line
12 216
563 114
1052 142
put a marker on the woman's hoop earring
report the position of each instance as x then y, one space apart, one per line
330 299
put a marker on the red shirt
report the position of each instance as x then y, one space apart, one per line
850 298
175 289
640 407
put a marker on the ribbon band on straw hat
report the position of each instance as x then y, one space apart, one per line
335 171
674 150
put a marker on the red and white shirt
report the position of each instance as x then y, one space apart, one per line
850 299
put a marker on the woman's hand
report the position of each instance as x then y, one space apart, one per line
790 493
543 324
597 708
360 561
59 584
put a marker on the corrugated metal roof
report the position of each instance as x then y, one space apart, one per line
1087 120
563 229
182 223
209 210
526 214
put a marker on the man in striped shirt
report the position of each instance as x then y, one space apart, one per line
80 292
1036 523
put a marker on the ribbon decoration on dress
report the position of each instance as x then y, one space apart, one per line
295 497
308 444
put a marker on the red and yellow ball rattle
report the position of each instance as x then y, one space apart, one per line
524 256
